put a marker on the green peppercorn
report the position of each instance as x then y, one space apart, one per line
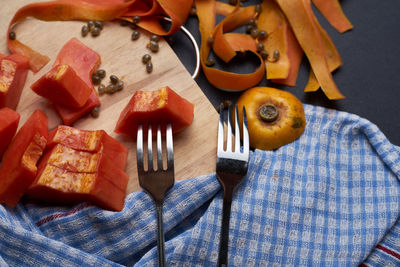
95 32
149 67
95 112
90 25
98 24
101 73
136 19
153 46
155 38
96 79
146 58
101 89
114 79
210 62
12 35
119 86
135 35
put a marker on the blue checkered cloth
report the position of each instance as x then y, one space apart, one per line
331 198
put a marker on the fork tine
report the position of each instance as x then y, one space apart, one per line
170 148
159 149
237 130
150 148
229 130
220 142
139 149
245 133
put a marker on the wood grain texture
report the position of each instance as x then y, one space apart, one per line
195 147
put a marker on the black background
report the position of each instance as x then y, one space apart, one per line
369 76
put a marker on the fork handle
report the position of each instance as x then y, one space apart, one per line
160 239
224 237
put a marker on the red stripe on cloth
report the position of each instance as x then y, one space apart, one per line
389 251
363 265
60 215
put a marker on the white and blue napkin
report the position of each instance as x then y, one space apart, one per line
331 198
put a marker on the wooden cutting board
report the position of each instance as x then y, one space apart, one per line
195 147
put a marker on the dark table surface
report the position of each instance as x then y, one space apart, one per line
369 76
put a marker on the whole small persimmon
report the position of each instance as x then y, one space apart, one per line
275 117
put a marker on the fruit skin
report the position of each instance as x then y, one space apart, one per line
9 120
285 129
18 168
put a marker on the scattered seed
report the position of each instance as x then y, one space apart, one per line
153 46
90 24
124 23
170 40
101 73
95 32
275 56
119 86
155 38
84 30
193 11
114 79
254 33
98 24
225 104
101 89
249 28
262 35
135 35
96 79
257 9
210 41
95 112
210 62
136 19
251 22
12 35
263 54
149 67
110 89
260 47
146 58
233 2
133 26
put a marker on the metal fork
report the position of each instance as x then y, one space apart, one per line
158 181
232 165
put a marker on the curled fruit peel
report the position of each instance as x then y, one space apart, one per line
63 10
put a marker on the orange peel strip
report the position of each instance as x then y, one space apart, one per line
206 10
300 17
332 56
333 12
63 10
